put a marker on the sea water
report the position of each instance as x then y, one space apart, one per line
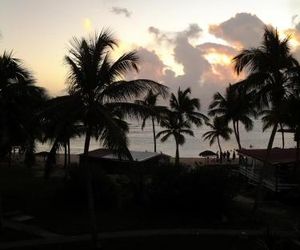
142 140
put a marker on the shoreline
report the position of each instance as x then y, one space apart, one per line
190 161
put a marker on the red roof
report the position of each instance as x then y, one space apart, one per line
277 155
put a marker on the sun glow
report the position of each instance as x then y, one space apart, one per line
87 24
218 58
294 38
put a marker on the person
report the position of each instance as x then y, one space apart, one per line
233 156
228 155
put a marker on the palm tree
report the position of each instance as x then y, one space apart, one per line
219 129
268 67
236 106
20 100
276 115
177 128
186 107
155 111
96 82
60 123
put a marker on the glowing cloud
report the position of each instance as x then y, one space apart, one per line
218 58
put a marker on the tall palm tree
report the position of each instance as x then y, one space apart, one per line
177 128
154 111
96 81
20 100
268 67
236 106
186 107
219 129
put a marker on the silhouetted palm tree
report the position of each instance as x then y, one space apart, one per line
186 107
20 100
97 83
273 116
236 106
268 67
153 111
219 129
177 128
61 122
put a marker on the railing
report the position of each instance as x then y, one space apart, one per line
272 183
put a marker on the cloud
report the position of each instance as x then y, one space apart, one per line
216 47
242 30
150 66
203 76
121 11
192 59
159 36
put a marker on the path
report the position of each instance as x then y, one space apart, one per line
143 233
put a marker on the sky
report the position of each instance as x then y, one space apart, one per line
180 43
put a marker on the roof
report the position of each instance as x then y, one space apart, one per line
277 155
139 156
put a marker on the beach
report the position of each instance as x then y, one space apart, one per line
142 140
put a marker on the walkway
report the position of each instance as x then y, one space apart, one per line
143 233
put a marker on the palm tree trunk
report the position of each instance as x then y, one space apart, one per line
50 160
65 156
89 188
236 134
69 153
282 134
297 154
259 197
1 215
218 140
177 154
154 138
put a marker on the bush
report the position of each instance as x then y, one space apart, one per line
202 189
106 190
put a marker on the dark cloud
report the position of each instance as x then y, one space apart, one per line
121 11
150 65
192 59
158 35
243 29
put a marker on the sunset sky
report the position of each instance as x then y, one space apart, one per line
180 43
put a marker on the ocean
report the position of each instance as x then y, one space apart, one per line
142 140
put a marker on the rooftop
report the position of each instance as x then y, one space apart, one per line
136 155
277 155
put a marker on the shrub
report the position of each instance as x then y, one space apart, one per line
202 189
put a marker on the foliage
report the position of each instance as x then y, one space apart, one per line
20 101
202 189
219 128
237 105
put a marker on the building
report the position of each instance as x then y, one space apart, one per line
143 161
280 174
